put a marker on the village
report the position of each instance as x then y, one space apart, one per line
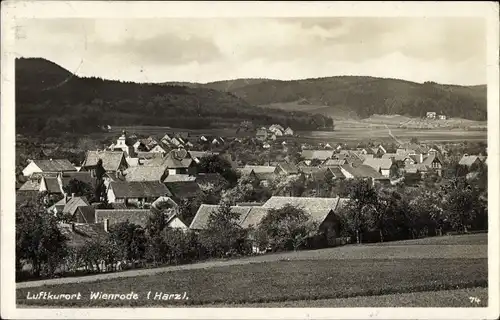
181 178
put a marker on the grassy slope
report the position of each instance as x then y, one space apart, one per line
284 280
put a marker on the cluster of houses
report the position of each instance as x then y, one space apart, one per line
274 131
434 115
141 176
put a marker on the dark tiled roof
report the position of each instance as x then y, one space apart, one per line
362 171
85 214
317 154
289 168
52 185
200 220
81 233
139 189
54 165
378 163
182 190
30 185
173 163
468 160
136 216
336 172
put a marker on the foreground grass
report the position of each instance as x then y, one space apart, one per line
458 298
279 281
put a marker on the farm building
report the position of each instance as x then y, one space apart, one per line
469 160
136 192
112 161
430 115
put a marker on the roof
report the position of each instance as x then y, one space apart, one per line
395 156
54 165
378 163
173 163
253 217
468 160
148 155
309 170
138 189
261 132
337 172
145 173
163 203
30 185
317 154
86 214
200 220
265 176
182 190
111 160
258 169
362 171
288 168
179 178
52 185
430 158
83 232
132 162
83 176
73 203
318 208
39 175
334 162
136 216
201 154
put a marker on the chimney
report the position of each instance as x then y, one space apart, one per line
72 195
65 198
106 225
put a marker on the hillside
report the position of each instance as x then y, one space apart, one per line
51 100
362 96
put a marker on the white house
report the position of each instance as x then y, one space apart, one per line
288 132
431 115
158 149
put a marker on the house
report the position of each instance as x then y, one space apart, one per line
50 185
112 161
289 132
69 205
180 166
138 146
79 234
124 144
286 168
335 172
112 217
64 178
322 212
442 117
48 166
167 139
136 192
144 156
200 220
134 162
469 160
164 203
434 162
146 173
30 185
275 127
431 115
179 178
321 155
261 134
266 145
381 165
360 172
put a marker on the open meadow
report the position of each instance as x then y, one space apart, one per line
394 272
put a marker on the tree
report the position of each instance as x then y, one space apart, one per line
80 189
217 164
130 240
223 233
39 241
287 228
461 206
359 208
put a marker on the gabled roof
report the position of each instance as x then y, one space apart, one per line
318 208
362 171
468 160
261 132
309 170
82 233
267 176
174 163
258 169
430 159
163 203
200 220
336 172
149 155
196 155
317 154
145 173
378 163
288 168
136 216
183 190
30 185
86 214
111 160
52 185
253 217
139 189
132 162
54 165
73 204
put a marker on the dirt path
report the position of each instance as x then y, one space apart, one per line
346 252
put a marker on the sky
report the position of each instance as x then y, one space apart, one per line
445 50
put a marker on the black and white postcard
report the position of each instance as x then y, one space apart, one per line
250 160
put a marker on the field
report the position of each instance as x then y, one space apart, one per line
393 272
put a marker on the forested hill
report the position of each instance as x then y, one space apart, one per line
363 96
51 100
